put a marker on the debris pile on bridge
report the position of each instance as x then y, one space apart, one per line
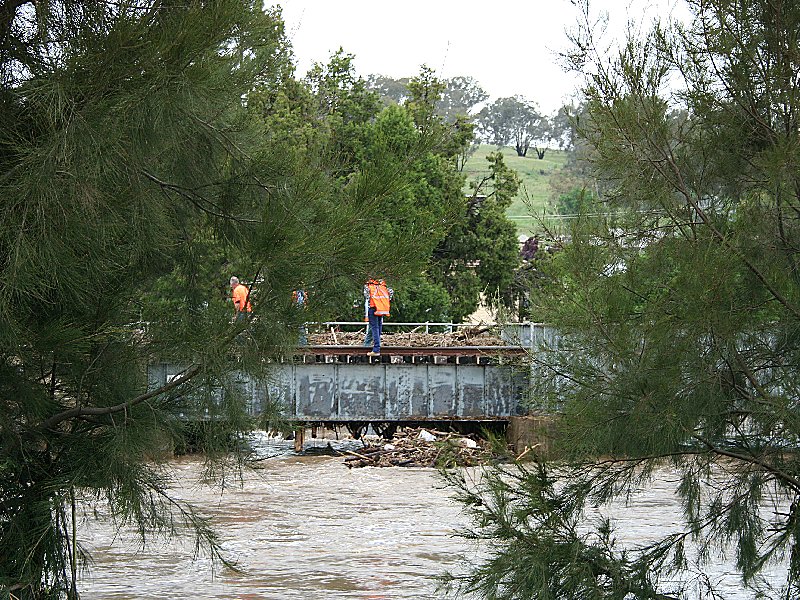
420 448
478 335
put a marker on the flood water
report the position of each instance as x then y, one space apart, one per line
300 527
308 527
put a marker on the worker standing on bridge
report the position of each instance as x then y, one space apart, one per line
241 299
299 301
377 296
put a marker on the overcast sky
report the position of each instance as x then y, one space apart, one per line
508 46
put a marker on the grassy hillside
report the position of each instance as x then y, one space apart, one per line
535 174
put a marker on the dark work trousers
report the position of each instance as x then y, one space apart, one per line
375 327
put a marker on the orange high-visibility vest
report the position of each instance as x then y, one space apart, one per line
241 301
379 297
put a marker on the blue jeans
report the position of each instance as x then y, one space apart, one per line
375 327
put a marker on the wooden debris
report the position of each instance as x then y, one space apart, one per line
474 336
467 334
420 447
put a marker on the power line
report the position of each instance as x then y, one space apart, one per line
576 215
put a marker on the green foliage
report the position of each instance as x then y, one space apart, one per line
513 121
678 310
428 198
343 106
419 300
537 542
480 253
135 182
574 202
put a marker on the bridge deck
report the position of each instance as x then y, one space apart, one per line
396 354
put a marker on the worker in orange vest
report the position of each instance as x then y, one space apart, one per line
241 299
377 298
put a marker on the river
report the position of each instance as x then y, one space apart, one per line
306 526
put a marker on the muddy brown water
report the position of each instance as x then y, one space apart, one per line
306 526
300 527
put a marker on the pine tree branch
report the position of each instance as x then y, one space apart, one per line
686 193
793 482
681 187
188 374
197 200
8 12
789 250
80 411
753 380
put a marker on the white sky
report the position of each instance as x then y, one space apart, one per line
508 46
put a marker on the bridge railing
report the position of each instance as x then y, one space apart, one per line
426 326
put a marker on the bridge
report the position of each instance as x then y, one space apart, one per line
329 385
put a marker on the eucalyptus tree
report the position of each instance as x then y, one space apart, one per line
390 90
460 97
513 121
562 128
679 311
135 178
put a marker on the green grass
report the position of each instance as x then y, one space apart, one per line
535 193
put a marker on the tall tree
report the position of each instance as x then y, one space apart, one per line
576 179
390 90
512 121
562 128
480 253
679 312
460 96
433 195
134 182
543 134
343 107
